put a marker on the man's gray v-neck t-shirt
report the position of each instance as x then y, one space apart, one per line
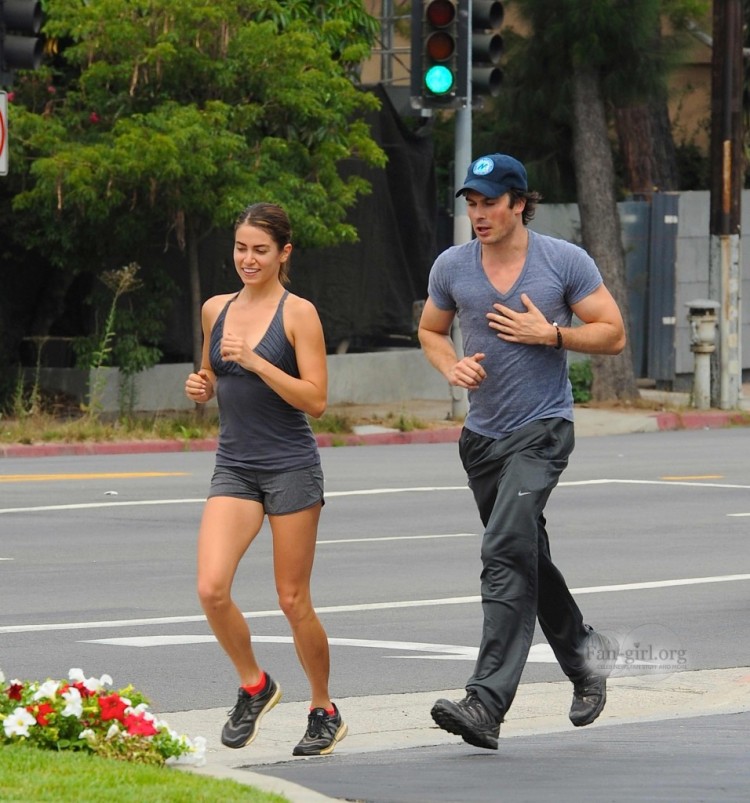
524 382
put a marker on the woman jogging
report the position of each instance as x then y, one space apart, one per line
264 358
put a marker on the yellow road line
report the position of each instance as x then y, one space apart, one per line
105 476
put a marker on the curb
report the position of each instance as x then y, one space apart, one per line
665 421
702 419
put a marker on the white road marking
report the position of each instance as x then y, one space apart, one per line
539 653
364 606
363 492
396 538
409 646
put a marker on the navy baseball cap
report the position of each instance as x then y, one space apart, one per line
494 175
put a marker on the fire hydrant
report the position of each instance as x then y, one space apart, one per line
702 314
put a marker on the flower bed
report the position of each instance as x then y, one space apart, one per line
82 714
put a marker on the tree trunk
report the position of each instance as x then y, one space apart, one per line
613 377
647 149
195 294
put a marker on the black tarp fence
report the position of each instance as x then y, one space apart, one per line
365 292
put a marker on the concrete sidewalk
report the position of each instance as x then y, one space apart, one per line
399 721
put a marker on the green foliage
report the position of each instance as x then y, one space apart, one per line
694 167
329 422
157 121
580 375
95 353
138 313
187 110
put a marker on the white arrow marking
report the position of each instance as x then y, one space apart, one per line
539 653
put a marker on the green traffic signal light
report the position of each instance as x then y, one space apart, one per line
439 79
436 71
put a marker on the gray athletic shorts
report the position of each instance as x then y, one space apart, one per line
279 492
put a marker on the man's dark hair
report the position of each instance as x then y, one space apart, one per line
532 199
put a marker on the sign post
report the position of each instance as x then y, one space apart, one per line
3 133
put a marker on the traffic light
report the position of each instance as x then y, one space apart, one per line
486 48
438 72
20 45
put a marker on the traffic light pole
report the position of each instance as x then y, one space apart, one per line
462 232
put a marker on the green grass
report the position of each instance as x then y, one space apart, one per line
45 427
28 775
50 427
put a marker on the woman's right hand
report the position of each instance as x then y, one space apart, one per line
198 387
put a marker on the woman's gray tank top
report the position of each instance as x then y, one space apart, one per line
258 429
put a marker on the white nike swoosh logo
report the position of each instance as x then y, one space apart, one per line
523 493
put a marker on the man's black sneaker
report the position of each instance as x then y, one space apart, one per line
242 726
324 730
589 697
469 719
590 691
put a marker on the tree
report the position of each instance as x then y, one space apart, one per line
613 378
639 96
172 115
581 60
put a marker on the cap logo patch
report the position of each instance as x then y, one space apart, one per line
483 166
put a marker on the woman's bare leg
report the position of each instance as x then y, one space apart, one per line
294 537
227 529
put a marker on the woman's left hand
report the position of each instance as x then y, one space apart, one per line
235 349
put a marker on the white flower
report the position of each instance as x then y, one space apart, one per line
112 732
18 723
73 703
47 690
88 735
195 755
93 685
2 676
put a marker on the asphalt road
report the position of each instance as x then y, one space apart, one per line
97 571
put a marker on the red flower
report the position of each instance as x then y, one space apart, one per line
11 97
139 726
84 692
14 692
112 707
93 117
41 712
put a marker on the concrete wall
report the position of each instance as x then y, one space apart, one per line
693 246
691 268
383 377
